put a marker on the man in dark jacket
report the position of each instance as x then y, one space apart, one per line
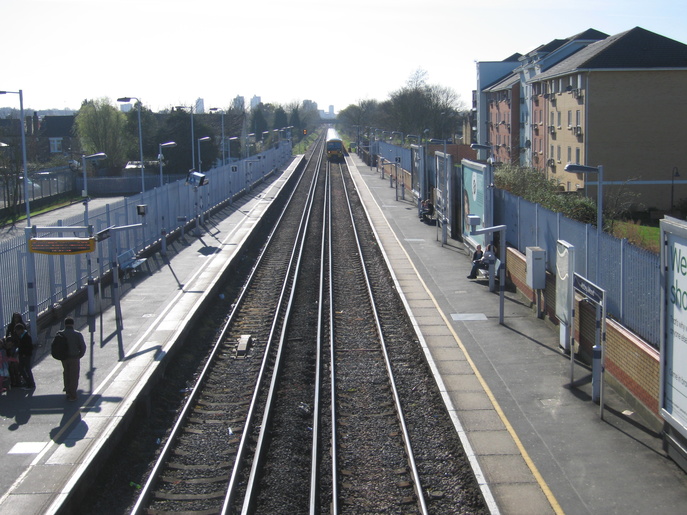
24 355
76 349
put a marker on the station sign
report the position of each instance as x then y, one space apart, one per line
63 246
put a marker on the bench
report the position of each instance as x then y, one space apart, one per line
128 262
483 273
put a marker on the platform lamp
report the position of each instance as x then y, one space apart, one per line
221 111
84 193
140 137
160 157
200 161
578 168
89 267
23 153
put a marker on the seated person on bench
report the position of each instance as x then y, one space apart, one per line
427 210
482 262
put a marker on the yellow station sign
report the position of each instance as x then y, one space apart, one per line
61 245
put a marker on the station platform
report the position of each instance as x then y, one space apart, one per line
537 443
49 444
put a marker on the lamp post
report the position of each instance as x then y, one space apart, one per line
578 168
193 138
169 144
221 111
23 153
140 137
674 174
200 162
84 193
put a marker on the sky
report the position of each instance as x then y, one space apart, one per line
172 52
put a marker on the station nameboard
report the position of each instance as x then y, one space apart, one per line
61 245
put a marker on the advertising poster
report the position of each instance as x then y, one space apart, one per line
473 197
674 349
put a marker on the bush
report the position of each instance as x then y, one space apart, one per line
533 186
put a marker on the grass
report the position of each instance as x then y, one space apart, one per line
640 235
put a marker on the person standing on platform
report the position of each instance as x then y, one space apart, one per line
15 378
24 355
76 349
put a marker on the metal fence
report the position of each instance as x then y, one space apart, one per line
169 208
630 275
46 183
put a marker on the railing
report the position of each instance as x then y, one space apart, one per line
630 275
169 208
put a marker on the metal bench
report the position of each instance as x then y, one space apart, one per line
483 273
128 262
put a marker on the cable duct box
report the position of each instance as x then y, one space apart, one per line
536 268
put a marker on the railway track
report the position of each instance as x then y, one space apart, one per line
315 396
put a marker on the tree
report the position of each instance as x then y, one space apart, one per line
281 119
149 127
101 128
258 123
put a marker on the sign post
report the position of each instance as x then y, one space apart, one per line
598 296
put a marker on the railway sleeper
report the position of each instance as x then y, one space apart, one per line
197 480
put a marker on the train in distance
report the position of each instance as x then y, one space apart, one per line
335 147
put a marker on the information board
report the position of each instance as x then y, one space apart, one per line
61 245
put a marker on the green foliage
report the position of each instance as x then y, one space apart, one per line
640 235
101 128
531 185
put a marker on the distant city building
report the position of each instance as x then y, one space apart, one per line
200 106
255 101
239 103
328 115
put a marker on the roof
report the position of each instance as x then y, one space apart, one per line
637 48
57 126
505 84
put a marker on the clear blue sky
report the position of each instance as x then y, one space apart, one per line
171 52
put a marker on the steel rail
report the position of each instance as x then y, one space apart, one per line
260 449
325 248
147 488
399 409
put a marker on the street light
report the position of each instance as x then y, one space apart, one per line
672 187
140 137
169 144
578 168
200 162
84 193
221 111
193 151
23 154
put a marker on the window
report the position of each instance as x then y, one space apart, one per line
55 145
558 153
569 154
577 155
578 118
569 118
558 118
